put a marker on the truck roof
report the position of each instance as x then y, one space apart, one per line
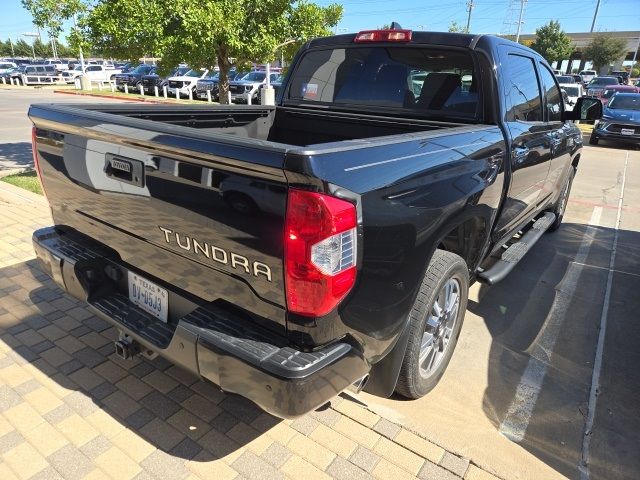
427 38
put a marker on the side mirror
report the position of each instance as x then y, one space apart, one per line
587 108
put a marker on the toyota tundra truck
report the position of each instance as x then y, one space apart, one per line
289 252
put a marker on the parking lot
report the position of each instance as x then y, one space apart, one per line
514 402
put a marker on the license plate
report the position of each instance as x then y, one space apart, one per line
627 131
148 296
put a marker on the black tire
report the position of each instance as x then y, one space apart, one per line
561 204
413 382
593 140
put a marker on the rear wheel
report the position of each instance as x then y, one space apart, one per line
561 204
593 140
434 324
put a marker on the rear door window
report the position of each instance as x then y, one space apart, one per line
429 81
552 95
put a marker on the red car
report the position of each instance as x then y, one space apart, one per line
608 92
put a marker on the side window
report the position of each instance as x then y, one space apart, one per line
93 68
521 90
553 103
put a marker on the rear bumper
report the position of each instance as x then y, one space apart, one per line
214 343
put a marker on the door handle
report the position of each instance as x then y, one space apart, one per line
521 153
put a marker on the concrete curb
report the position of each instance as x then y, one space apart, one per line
112 97
446 460
23 194
138 99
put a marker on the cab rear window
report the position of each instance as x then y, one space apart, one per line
424 80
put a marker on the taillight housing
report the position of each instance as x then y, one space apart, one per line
36 162
320 251
367 36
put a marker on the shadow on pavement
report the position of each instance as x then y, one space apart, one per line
15 155
170 408
519 313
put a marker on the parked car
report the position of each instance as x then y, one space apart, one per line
249 86
6 66
276 84
620 120
598 84
565 79
210 82
96 73
39 74
577 78
133 78
185 83
587 76
609 92
8 73
59 65
574 91
622 75
379 209
15 74
149 82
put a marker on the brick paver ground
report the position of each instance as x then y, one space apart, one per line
70 408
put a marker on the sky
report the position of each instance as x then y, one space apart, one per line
488 16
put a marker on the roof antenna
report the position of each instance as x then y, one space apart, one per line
395 26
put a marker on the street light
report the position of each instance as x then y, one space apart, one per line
33 35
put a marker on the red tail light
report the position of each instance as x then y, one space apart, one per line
383 36
36 162
320 252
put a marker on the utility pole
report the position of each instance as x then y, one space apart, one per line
12 52
469 8
595 16
520 22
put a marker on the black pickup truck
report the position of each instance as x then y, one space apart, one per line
289 252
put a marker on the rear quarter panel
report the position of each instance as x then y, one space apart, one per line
411 191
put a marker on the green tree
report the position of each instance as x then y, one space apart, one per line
605 49
22 48
50 15
552 43
455 27
41 48
204 34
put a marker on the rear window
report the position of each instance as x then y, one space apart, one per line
434 81
571 91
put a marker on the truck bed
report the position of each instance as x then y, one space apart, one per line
203 206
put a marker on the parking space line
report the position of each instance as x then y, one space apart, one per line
515 423
597 364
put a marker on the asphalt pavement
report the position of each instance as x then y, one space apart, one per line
15 127
545 381
517 397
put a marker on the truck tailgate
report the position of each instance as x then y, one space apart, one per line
182 207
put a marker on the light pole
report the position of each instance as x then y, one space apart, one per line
75 26
11 43
32 35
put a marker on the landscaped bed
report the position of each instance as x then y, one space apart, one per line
27 180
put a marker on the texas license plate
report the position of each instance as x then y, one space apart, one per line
148 296
627 131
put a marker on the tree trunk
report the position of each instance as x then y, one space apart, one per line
223 80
